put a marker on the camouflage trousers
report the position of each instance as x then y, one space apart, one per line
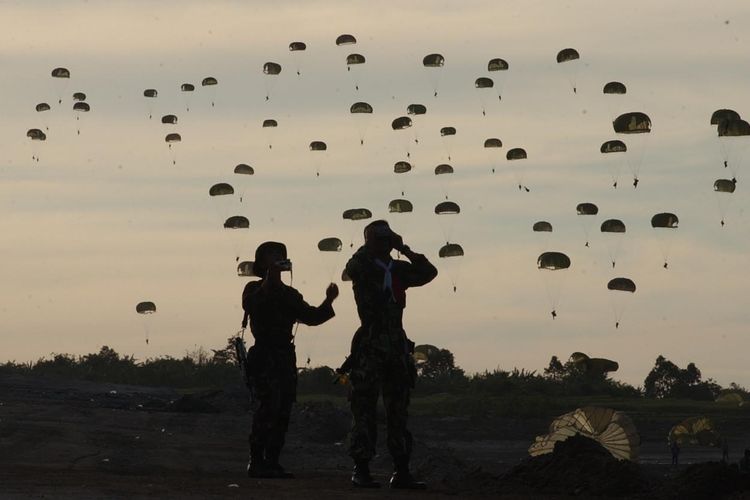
368 382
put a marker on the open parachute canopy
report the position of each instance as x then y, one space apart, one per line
593 366
244 169
553 261
484 83
614 430
318 146
443 168
187 87
733 128
493 142
400 206
401 123
614 88
355 59
587 209
221 189
270 123
60 73
720 115
433 61
208 81
271 68
36 135
613 226
237 222
145 308
357 214
173 137
731 397
447 131
82 107
345 39
724 186
447 208
696 431
416 109
451 250
615 146
245 268
497 64
632 123
621 284
542 227
665 220
360 107
42 106
169 119
330 245
516 154
79 96
401 167
297 46
568 54
150 93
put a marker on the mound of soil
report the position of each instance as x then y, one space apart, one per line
323 422
444 471
708 480
577 466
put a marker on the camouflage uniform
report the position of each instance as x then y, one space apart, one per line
380 357
272 363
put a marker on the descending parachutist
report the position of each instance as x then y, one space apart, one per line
149 116
527 189
416 141
356 87
617 324
554 314
666 265
635 182
734 180
520 187
483 113
614 184
454 288
575 90
408 155
725 164
299 74
587 244
361 142
613 264
434 95
146 341
722 222
266 98
308 361
499 98
237 259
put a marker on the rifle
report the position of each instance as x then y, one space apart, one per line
241 353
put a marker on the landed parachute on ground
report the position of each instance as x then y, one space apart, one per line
699 431
614 430
731 397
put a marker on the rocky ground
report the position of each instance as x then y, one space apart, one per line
69 439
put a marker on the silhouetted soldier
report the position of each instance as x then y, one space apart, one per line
745 462
273 308
674 447
381 354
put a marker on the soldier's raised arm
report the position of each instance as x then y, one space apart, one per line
419 271
311 315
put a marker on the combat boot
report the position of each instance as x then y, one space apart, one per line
402 478
257 467
274 467
361 477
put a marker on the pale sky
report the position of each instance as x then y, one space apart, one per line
105 220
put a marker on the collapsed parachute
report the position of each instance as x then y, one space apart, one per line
614 430
698 431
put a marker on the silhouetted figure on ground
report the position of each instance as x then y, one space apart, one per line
381 355
745 462
724 450
674 447
273 308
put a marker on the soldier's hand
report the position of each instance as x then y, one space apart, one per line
397 242
332 292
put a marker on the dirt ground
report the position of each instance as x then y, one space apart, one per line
72 439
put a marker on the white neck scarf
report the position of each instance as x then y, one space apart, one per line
387 277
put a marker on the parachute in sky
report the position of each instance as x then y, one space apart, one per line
61 78
269 127
492 146
169 119
318 150
402 167
150 95
587 210
485 87
551 263
297 49
330 255
512 156
448 135
79 96
542 227
355 215
43 107
620 285
237 224
733 138
221 189
245 269
614 88
451 252
400 206
146 309
639 125
723 188
721 115
665 225
499 68
614 161
243 169
362 114
187 90
272 71
434 64
416 110
399 124
37 137
345 39
614 430
447 212
354 66
172 140
210 84
594 367
614 229
569 60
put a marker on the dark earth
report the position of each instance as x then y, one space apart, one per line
74 439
